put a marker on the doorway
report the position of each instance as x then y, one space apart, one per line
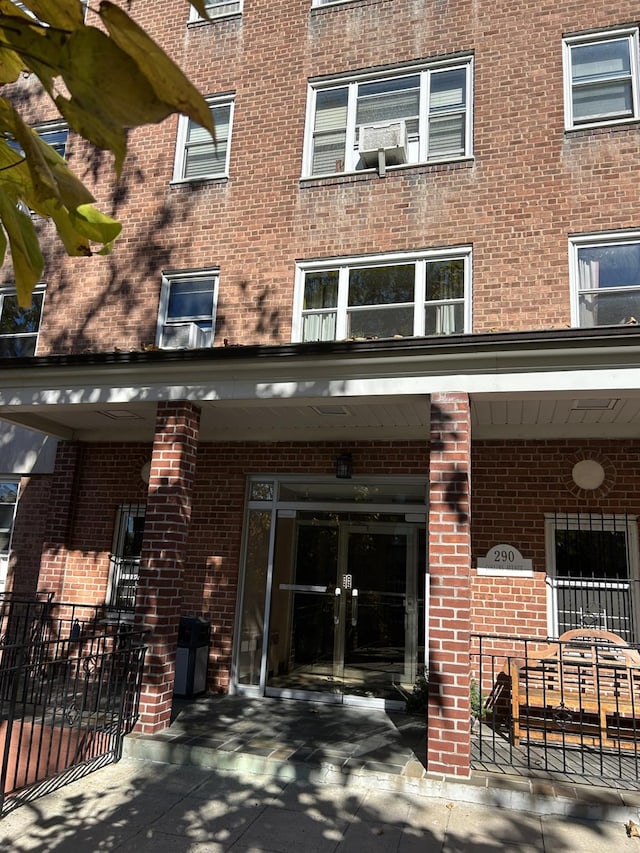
345 609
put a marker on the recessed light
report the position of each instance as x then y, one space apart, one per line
594 404
120 415
330 410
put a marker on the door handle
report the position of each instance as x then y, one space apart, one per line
354 607
336 606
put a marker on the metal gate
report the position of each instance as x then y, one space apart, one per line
70 679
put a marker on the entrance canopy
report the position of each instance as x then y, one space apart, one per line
571 382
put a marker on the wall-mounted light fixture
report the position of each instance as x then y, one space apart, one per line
344 466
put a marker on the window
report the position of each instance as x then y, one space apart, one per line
22 7
327 2
8 504
54 133
432 107
19 326
593 566
186 319
605 273
383 297
125 556
601 78
197 156
218 9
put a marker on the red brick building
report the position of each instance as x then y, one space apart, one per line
414 252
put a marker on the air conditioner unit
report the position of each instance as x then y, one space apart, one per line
387 137
183 336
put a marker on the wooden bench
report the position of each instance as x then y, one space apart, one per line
584 688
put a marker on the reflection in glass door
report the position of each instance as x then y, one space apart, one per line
344 615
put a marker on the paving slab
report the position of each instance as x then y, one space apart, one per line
147 807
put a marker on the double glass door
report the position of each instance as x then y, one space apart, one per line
345 613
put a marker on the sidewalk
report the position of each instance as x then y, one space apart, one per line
139 805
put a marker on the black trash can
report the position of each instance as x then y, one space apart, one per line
192 656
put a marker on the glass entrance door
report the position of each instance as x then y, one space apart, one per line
344 615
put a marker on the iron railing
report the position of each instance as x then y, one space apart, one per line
557 709
70 681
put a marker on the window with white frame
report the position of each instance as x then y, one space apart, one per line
605 274
428 108
198 157
19 327
428 293
601 78
8 505
54 133
217 9
187 315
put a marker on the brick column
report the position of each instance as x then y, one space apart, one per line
59 522
166 529
449 617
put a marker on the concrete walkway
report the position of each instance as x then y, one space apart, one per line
144 806
344 745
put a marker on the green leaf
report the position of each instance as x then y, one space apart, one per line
3 245
76 245
39 47
97 226
66 15
102 78
49 176
26 256
102 134
168 81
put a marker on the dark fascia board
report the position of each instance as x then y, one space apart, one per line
600 338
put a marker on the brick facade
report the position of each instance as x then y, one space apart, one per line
265 217
528 188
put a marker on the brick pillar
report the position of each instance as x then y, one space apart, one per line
58 527
449 625
166 529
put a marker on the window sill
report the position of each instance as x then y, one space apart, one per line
339 5
367 174
194 183
206 22
602 127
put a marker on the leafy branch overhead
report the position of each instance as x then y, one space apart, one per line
102 83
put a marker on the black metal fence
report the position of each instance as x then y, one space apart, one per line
70 680
561 709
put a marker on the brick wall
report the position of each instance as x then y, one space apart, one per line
527 189
110 476
514 485
29 535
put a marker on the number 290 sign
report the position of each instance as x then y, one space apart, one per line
504 559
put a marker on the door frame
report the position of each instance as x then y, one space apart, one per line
346 500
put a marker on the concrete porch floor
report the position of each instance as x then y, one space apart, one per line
296 741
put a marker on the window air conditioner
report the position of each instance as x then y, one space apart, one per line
183 336
388 137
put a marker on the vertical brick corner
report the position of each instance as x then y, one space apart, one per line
449 617
168 516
